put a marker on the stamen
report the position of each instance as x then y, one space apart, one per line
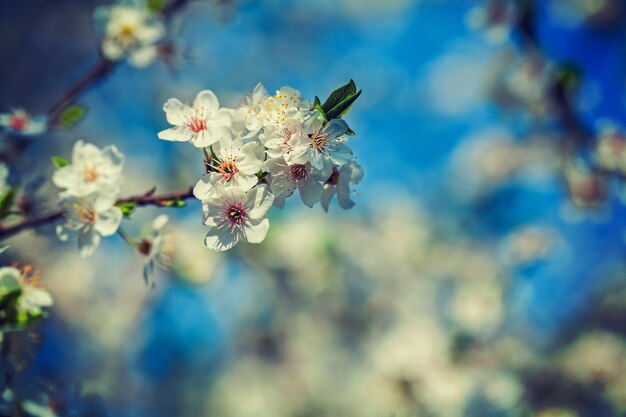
91 174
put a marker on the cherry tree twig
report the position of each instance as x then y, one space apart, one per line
146 199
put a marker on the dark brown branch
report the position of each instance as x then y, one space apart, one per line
146 199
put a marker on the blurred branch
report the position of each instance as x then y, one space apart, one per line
146 199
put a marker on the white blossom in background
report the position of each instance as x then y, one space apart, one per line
21 123
131 31
287 178
87 219
611 149
156 249
233 214
495 18
93 170
339 184
32 296
235 163
203 123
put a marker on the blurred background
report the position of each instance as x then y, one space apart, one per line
480 274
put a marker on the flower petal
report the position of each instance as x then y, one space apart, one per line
254 231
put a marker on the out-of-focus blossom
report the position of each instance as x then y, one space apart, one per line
93 170
597 13
477 307
21 123
87 219
234 214
32 298
522 82
495 18
611 150
586 189
203 123
557 412
528 244
156 249
131 31
339 183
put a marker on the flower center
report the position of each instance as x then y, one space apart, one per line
318 141
235 213
18 123
85 215
91 174
228 169
144 247
197 125
127 35
298 172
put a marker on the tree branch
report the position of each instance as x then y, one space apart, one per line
146 199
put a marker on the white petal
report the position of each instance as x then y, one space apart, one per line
205 187
38 297
175 111
260 200
207 100
66 177
142 57
221 239
176 134
88 243
111 49
327 196
159 222
256 230
114 156
310 192
336 128
108 222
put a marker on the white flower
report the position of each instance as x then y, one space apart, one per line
32 297
270 111
21 123
278 138
236 164
232 214
611 149
203 123
495 18
92 170
131 31
320 144
156 249
286 178
339 183
88 218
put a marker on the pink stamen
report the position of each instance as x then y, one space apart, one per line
197 125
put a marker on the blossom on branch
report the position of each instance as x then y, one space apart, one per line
87 219
93 170
233 214
203 123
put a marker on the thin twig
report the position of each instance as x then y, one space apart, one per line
145 199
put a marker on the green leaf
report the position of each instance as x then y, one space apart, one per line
350 132
322 112
340 94
6 201
317 101
72 115
59 162
156 5
342 107
127 208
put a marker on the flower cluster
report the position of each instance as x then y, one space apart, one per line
132 31
91 183
263 151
